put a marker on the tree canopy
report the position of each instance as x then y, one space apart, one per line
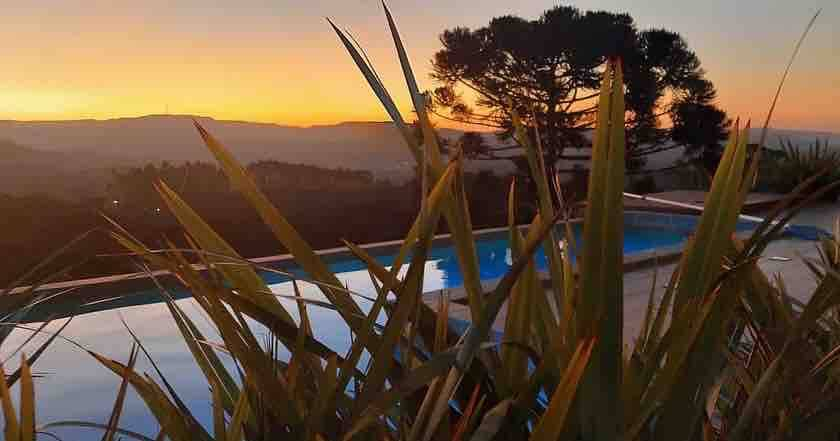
549 70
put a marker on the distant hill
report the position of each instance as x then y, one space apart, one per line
374 146
56 147
24 170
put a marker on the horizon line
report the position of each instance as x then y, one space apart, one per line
306 126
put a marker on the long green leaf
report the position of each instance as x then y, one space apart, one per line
601 310
176 426
493 421
456 208
243 277
116 412
27 402
409 295
12 427
416 379
553 421
536 163
379 90
90 425
480 328
518 320
237 420
408 73
304 255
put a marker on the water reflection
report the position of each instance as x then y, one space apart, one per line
76 387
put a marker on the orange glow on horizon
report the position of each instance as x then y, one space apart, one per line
73 59
336 94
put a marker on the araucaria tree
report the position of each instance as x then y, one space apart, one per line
549 70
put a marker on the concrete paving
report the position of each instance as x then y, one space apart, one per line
798 279
754 202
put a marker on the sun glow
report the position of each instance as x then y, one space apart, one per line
279 61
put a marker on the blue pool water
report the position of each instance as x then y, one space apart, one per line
75 387
494 256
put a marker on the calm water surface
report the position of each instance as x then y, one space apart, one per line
73 386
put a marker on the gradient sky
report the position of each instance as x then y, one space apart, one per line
278 60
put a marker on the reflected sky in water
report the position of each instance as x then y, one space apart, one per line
74 386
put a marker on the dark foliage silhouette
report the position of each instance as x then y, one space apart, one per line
548 69
326 205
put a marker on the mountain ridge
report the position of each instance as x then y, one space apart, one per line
376 146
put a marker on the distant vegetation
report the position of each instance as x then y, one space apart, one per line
326 205
25 170
48 198
794 163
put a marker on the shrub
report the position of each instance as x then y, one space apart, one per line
644 185
793 164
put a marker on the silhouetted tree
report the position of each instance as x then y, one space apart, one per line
473 144
550 68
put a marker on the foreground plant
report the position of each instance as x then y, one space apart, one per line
560 370
781 381
19 427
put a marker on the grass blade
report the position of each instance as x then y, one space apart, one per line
492 422
380 92
480 328
218 415
410 81
552 422
409 295
89 425
304 255
12 427
601 310
174 424
27 402
237 420
116 412
242 277
38 352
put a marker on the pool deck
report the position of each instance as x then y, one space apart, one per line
637 284
755 201
799 280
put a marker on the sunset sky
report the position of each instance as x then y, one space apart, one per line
278 60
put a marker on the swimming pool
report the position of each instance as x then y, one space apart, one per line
494 257
75 387
644 234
